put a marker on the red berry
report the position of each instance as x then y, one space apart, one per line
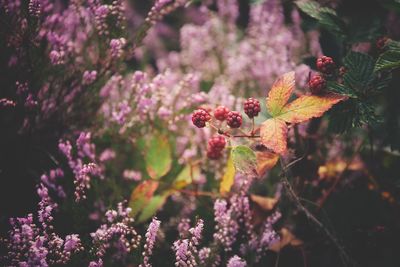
217 142
234 119
317 84
326 65
252 107
215 146
221 113
213 154
200 117
381 42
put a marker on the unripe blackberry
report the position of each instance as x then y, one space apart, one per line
234 119
221 113
252 107
317 84
326 65
200 117
217 142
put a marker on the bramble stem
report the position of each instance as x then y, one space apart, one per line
296 200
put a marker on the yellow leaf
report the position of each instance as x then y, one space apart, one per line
274 134
334 168
280 93
287 238
266 160
228 178
186 176
266 203
307 107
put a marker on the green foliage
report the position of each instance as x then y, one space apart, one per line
157 155
152 207
326 17
359 71
360 84
390 59
244 159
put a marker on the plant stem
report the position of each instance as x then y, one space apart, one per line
296 200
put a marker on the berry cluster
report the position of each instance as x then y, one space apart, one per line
202 117
327 67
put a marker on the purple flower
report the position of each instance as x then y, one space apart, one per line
151 235
236 261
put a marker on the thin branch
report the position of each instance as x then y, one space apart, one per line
296 200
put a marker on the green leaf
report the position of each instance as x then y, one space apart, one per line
341 89
228 178
141 195
360 70
244 160
157 155
325 16
389 59
186 176
152 207
313 9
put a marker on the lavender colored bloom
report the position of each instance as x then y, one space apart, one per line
151 235
236 261
132 175
118 232
196 232
116 46
89 76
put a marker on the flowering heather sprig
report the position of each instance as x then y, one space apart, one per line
34 8
85 146
186 249
151 235
82 179
116 47
183 227
204 254
236 261
82 172
183 255
162 8
227 227
89 77
196 232
121 112
118 232
38 245
57 57
4 102
100 15
268 236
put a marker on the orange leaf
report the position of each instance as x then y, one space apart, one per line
287 238
274 134
280 93
265 161
307 107
266 203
